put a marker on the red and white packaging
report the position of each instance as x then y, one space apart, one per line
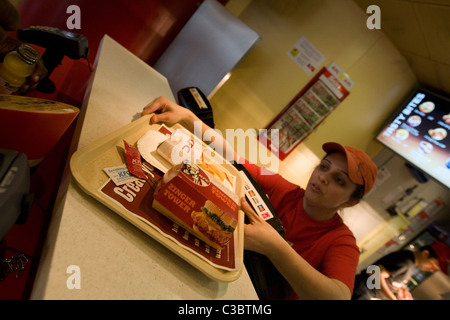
190 197
134 162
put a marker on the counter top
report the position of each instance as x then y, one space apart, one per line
90 245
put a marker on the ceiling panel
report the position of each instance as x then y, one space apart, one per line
420 29
435 23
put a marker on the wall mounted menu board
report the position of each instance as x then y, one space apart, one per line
306 111
419 132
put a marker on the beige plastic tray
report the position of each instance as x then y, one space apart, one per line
87 166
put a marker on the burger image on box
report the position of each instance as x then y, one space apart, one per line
192 198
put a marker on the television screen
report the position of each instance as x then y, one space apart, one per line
419 132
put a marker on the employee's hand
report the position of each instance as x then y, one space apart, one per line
32 81
166 111
259 236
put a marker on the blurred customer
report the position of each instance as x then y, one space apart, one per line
396 270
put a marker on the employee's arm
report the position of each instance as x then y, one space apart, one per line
306 281
168 111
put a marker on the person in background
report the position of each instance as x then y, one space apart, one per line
396 270
319 256
10 21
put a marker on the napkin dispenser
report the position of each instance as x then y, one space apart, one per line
194 99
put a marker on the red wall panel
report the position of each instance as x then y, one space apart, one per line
145 27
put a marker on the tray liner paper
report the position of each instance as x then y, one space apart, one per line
137 198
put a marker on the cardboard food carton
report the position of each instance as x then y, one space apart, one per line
192 198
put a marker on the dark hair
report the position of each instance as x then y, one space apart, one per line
358 194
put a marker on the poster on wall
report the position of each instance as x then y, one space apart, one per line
306 55
306 110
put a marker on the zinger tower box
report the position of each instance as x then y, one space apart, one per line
196 201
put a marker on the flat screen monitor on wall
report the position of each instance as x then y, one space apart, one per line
419 131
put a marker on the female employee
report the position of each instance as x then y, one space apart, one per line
320 257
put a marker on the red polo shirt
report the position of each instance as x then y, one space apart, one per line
329 246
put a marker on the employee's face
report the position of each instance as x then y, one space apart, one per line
330 185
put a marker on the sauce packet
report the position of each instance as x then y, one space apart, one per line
134 162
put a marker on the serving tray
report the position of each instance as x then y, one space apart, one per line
87 166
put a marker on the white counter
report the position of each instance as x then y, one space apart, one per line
115 259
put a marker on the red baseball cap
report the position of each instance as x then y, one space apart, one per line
361 169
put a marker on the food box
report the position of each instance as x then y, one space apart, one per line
193 198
